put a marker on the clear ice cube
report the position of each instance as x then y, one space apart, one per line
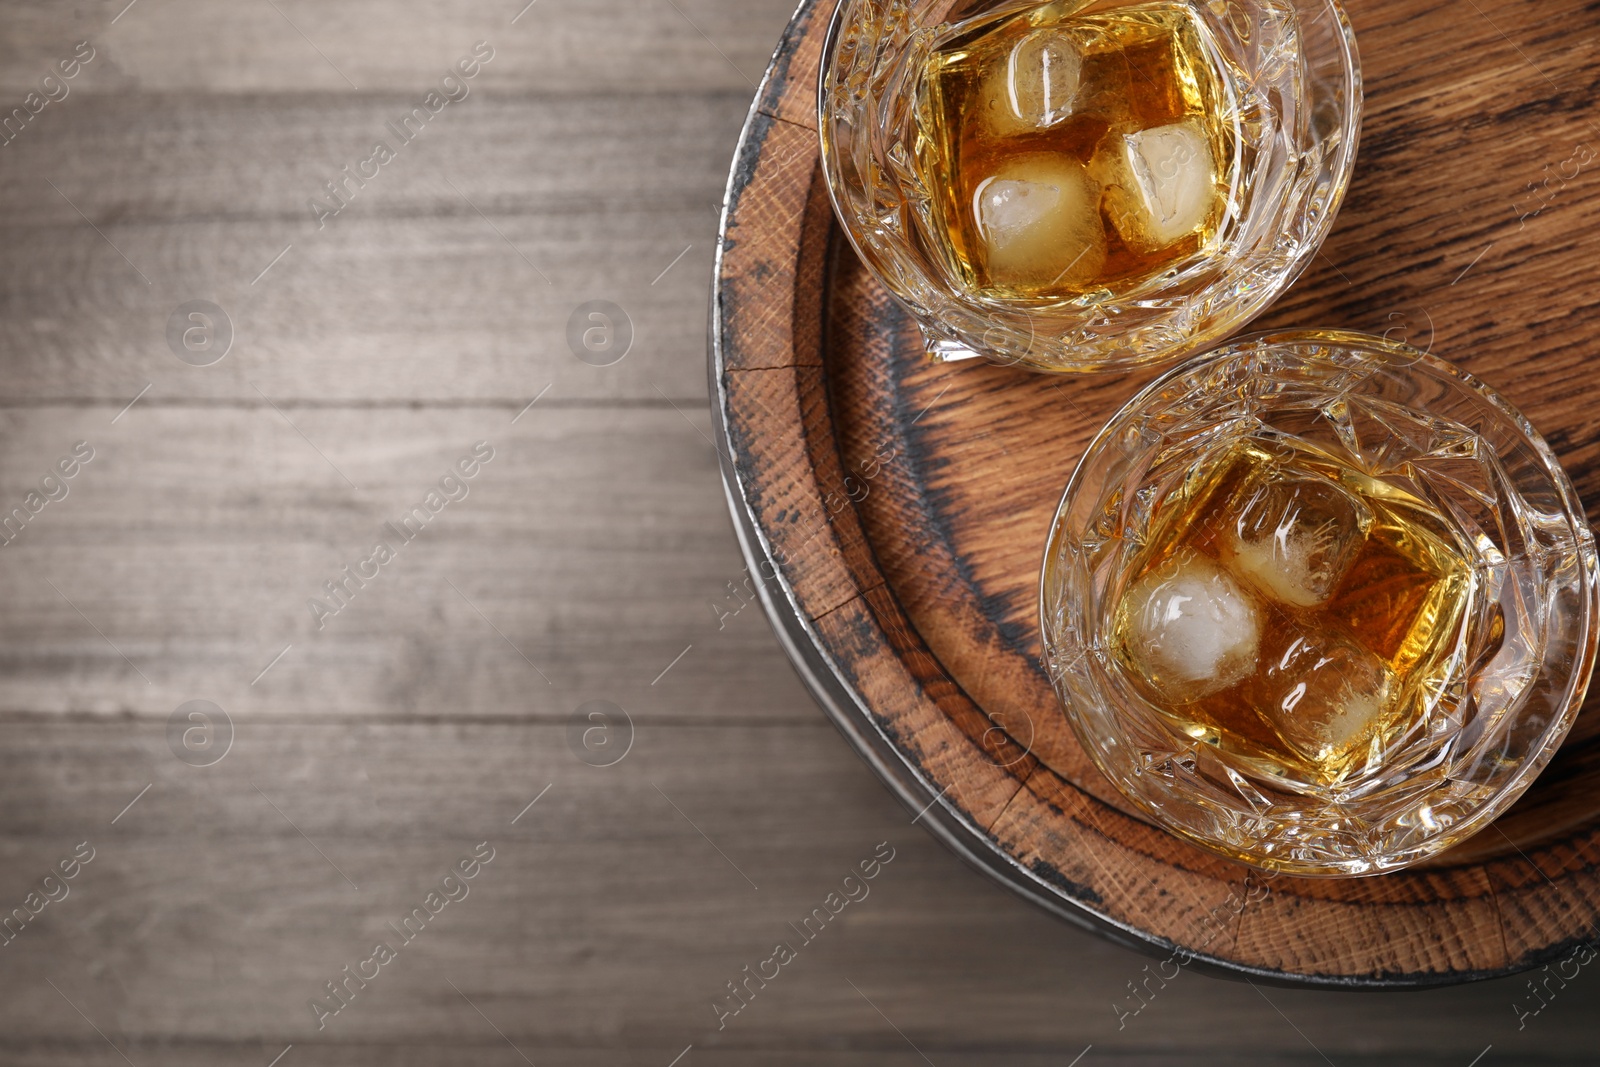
1039 215
1035 85
1192 630
1296 535
1161 183
1325 698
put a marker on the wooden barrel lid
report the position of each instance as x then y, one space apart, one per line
897 509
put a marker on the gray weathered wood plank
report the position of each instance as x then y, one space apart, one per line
606 919
595 542
408 293
196 46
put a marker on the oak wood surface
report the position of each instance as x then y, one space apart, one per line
596 542
933 557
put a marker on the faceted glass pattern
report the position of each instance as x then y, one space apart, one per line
1293 99
1518 669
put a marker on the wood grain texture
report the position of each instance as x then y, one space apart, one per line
933 559
408 294
194 47
195 484
605 924
597 541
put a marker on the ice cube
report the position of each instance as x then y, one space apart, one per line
1034 86
1161 183
1404 601
1190 629
1325 697
1295 534
1039 215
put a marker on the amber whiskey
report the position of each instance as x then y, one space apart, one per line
1075 147
1294 612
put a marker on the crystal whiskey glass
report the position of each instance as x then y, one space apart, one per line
1086 185
1320 603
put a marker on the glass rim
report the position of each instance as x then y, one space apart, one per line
1400 358
1351 96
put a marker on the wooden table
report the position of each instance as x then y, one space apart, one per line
590 559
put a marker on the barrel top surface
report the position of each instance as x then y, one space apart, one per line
897 510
